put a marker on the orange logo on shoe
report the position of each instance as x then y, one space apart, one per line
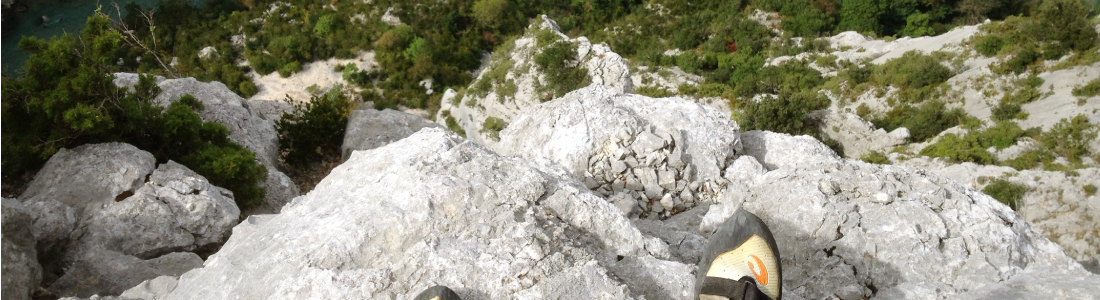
761 277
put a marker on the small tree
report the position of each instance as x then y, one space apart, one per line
315 129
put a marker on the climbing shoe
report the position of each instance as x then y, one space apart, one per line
741 261
438 292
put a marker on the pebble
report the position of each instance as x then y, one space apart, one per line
618 166
667 179
667 202
687 197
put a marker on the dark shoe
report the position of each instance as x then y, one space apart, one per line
741 261
438 292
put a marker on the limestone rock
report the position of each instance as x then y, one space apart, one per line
111 273
103 203
934 238
20 261
153 289
777 150
177 210
90 175
568 131
1055 203
247 127
426 215
369 129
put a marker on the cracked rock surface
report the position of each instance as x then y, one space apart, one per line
102 210
444 210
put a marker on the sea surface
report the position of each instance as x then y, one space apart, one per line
65 16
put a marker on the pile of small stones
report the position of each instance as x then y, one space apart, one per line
646 174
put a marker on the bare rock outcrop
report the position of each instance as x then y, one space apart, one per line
1057 204
369 129
662 154
106 207
22 273
444 210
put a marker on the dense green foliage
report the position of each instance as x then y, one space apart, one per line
493 126
1070 138
1051 30
785 113
66 97
1090 190
959 149
558 62
923 122
875 157
315 129
1005 191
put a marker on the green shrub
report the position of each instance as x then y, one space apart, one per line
1090 190
875 157
1088 90
1070 138
785 113
959 149
653 91
989 44
289 69
452 124
66 97
315 129
715 90
1003 135
558 63
1006 111
924 122
1031 159
247 89
493 126
863 111
1007 192
913 70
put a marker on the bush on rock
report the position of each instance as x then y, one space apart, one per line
66 97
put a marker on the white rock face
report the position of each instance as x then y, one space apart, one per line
369 129
1055 203
434 211
858 136
102 198
22 273
470 111
247 127
437 209
649 150
853 230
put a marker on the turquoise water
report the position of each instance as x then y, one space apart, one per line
65 16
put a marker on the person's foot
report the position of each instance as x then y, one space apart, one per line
438 292
741 261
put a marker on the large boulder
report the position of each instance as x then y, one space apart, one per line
20 261
438 210
1056 203
112 273
643 148
856 230
252 129
369 129
112 197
